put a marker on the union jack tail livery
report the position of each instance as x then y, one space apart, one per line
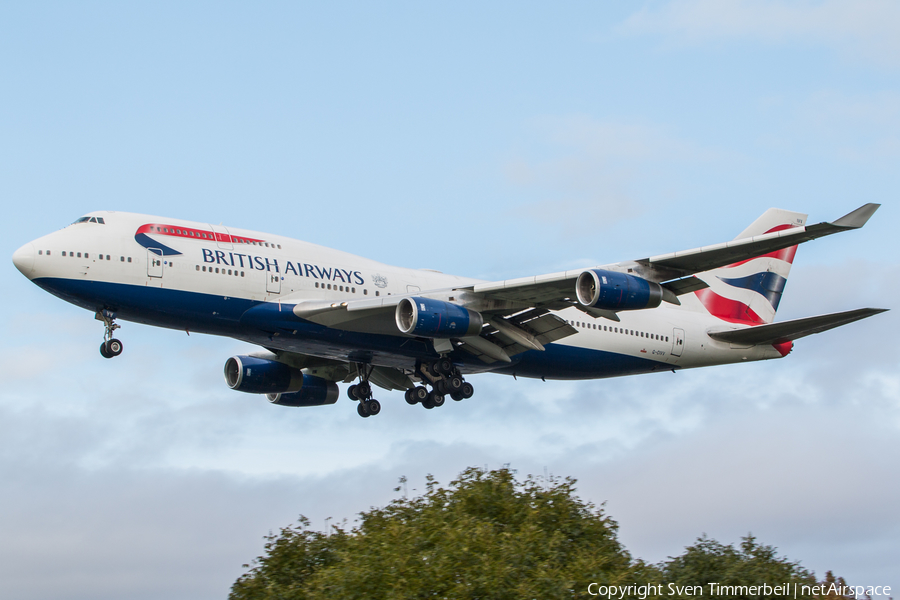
748 291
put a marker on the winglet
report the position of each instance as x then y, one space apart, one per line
858 217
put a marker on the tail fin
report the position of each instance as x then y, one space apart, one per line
749 291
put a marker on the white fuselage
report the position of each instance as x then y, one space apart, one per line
187 275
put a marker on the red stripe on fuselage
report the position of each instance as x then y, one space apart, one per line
196 234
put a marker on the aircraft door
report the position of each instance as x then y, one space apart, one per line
677 342
154 262
273 282
223 238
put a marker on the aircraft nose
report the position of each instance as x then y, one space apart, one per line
23 258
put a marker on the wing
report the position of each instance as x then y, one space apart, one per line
786 331
673 271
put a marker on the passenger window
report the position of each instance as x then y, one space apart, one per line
365 292
122 258
40 252
377 293
86 255
48 253
198 267
107 257
129 259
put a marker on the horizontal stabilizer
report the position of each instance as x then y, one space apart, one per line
777 333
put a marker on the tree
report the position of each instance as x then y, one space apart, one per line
489 536
753 564
485 536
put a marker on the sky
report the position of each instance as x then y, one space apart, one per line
492 141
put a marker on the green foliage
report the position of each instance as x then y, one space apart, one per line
752 564
491 537
485 536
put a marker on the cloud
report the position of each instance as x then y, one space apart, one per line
863 29
861 127
585 171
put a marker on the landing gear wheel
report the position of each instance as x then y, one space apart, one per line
454 384
351 393
467 390
456 396
104 352
436 399
427 403
443 366
373 407
114 347
361 409
363 389
410 396
440 386
420 393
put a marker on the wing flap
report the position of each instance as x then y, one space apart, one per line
786 331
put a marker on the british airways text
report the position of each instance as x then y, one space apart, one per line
261 263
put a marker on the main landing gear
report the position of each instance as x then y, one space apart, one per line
111 346
441 375
362 391
444 378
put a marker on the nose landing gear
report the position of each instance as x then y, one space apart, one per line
111 346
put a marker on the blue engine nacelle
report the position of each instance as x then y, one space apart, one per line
436 319
261 375
315 392
609 290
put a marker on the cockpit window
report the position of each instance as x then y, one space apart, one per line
90 220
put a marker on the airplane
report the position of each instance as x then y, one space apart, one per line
322 316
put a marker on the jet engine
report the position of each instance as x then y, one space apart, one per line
609 290
262 376
437 319
314 392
